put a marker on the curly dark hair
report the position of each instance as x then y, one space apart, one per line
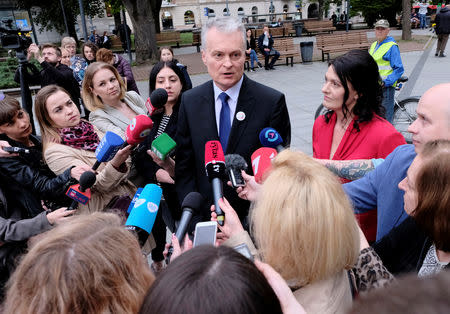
358 68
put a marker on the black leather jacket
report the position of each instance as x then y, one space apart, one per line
28 180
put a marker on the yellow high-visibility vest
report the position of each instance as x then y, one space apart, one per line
384 67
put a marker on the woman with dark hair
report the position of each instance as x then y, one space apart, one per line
354 127
165 75
89 51
166 54
207 279
422 242
251 50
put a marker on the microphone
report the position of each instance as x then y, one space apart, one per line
143 214
269 137
81 193
192 202
133 201
215 170
155 103
234 164
163 146
16 150
107 148
261 162
137 130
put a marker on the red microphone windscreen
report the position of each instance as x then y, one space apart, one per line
138 129
261 162
214 159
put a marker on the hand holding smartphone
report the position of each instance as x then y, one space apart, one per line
205 233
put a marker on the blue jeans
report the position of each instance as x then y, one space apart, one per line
253 58
423 20
388 101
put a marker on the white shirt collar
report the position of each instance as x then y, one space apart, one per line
232 92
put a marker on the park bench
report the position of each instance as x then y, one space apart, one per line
289 29
168 38
275 32
342 42
318 26
116 44
286 48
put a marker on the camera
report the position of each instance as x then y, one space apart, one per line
12 38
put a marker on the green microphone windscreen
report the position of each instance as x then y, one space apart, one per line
163 146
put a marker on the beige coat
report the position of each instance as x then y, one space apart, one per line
109 181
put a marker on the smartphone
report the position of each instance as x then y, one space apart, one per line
244 250
236 178
205 233
16 150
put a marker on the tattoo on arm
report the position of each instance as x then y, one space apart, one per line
350 169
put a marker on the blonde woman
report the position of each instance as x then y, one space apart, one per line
90 264
69 140
104 94
305 229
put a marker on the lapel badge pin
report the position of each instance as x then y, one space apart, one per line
240 116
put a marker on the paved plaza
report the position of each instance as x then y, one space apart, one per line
302 84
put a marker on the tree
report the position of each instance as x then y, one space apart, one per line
406 21
48 14
142 14
377 9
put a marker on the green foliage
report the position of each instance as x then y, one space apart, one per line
49 15
377 9
7 71
116 5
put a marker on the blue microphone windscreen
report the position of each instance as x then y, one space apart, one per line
135 198
108 147
269 137
144 212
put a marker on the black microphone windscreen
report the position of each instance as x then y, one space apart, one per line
235 161
87 179
193 200
158 97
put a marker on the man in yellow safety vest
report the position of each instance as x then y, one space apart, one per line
387 55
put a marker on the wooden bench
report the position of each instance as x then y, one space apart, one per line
166 38
317 26
275 32
289 29
116 44
341 43
286 48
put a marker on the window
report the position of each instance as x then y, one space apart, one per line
189 17
226 12
254 12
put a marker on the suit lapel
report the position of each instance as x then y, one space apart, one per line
246 105
207 115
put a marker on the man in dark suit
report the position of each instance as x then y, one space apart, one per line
247 107
265 45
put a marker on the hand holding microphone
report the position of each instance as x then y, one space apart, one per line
215 170
107 148
81 193
232 225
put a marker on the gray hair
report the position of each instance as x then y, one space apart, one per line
224 25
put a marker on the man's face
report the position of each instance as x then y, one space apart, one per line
381 33
266 30
50 55
224 57
433 117
19 128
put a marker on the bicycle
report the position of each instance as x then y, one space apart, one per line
404 111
